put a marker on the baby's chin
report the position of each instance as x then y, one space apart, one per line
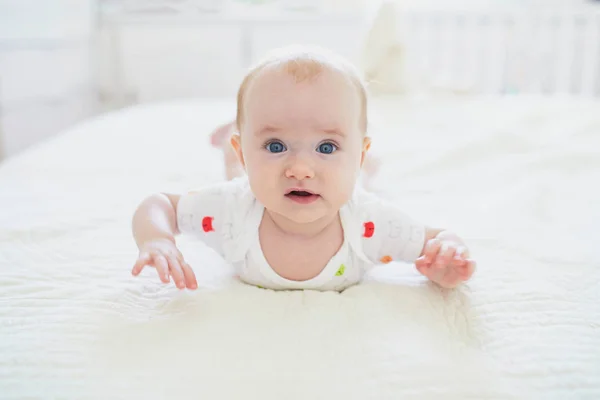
304 217
308 215
296 213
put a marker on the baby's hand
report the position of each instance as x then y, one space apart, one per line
163 255
445 262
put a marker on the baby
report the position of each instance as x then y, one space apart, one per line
297 219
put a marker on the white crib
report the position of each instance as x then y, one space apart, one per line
503 51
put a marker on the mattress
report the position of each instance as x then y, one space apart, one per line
516 176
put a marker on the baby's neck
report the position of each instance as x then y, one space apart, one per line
302 231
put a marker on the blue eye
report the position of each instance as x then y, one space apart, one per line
275 147
327 148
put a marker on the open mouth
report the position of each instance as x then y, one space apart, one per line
299 193
302 196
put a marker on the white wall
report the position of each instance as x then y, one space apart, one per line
159 55
158 60
46 78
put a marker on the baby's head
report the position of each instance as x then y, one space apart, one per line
301 118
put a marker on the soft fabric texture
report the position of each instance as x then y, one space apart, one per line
516 177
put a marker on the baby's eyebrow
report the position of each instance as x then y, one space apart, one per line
271 129
267 129
334 131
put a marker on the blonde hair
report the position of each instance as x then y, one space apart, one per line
304 63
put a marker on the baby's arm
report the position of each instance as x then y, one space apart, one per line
391 235
156 218
154 228
160 217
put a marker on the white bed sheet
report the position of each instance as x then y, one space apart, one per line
517 177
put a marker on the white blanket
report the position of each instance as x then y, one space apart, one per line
517 177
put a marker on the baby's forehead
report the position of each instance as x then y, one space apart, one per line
275 80
280 78
299 73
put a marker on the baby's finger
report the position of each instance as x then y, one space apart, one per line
462 253
431 249
467 271
459 262
422 264
143 260
190 277
179 257
422 261
423 269
177 273
162 267
445 255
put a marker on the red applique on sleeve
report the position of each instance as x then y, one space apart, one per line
369 229
207 224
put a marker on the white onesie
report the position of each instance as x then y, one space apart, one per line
226 217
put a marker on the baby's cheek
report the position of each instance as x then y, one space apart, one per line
342 180
261 191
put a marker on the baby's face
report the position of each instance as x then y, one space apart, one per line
301 138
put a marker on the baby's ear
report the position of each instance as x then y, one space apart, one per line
236 143
366 145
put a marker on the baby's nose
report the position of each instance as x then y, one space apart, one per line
300 170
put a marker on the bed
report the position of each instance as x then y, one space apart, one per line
517 176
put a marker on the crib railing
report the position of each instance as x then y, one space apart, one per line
523 51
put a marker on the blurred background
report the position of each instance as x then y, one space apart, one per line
62 61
